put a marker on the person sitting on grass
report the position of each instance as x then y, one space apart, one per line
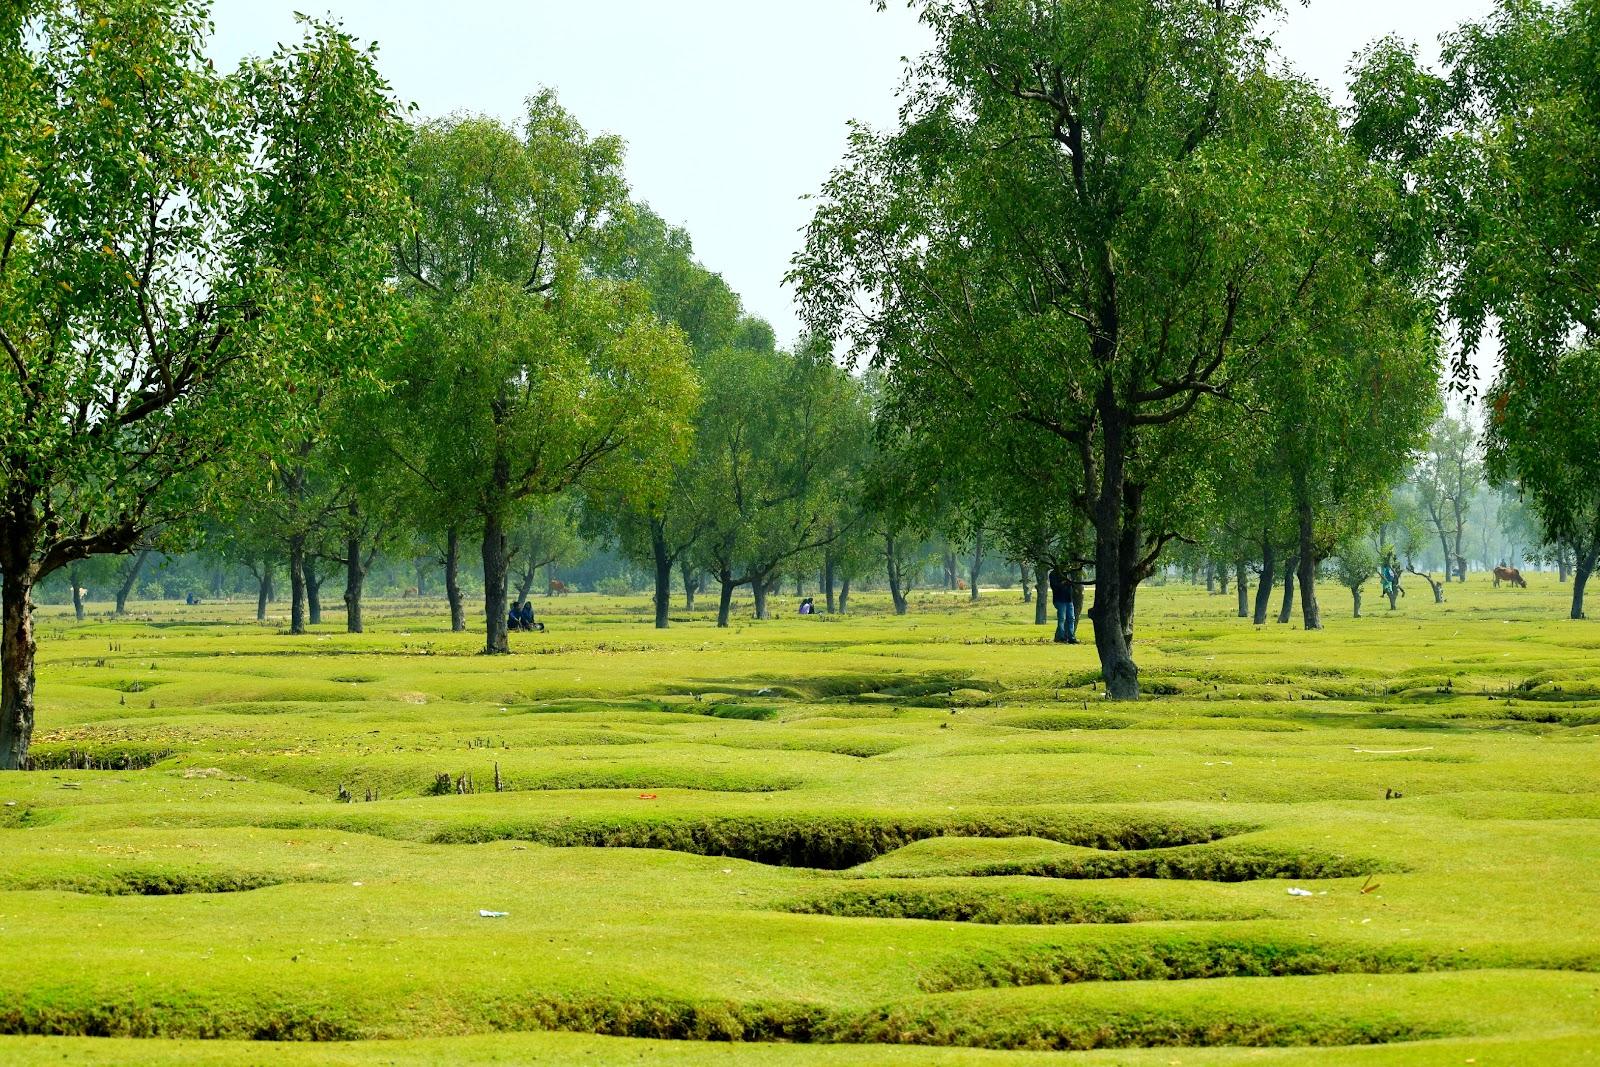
527 620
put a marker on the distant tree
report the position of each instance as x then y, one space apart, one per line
179 250
1093 221
1448 476
1544 441
1357 564
532 374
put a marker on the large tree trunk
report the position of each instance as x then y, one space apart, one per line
663 562
130 578
892 563
263 590
1291 567
1041 603
497 640
977 564
1241 581
761 591
17 647
828 579
1310 614
725 600
1583 566
77 592
1269 575
691 584
1115 528
355 578
844 596
452 580
313 591
297 584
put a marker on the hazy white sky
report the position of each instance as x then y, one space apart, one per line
732 109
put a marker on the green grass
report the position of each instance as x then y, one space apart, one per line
810 841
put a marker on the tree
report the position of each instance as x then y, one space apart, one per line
535 375
177 250
1544 440
1357 563
1448 476
1093 220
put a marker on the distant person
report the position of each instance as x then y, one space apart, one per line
808 606
527 620
1066 613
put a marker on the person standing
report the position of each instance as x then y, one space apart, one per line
1061 597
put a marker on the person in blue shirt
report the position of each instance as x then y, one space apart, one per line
1066 614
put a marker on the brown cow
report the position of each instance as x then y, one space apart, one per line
1509 574
557 588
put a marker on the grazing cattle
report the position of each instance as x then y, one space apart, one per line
961 585
1509 574
557 588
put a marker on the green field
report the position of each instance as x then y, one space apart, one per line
854 840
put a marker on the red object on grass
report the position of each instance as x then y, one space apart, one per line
647 796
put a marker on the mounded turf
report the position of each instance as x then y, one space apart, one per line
810 840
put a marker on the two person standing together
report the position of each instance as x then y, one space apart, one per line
1066 611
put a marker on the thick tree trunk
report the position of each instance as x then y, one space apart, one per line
892 561
1041 603
725 600
297 584
828 580
663 562
17 647
452 580
1241 580
1224 576
1115 530
1291 567
844 597
1310 614
497 640
1211 578
313 591
129 580
691 584
355 578
1583 567
977 564
263 590
1269 574
77 593
761 591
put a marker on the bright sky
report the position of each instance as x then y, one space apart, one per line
732 109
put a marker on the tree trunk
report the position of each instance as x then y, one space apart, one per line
1444 546
977 564
827 580
1115 529
297 584
452 580
355 577
1355 592
1211 578
1224 576
17 647
497 640
263 590
725 601
1241 581
691 584
949 568
129 580
1269 574
313 591
1310 614
761 591
1291 567
1583 566
77 592
844 597
1041 602
419 568
892 565
1027 583
663 562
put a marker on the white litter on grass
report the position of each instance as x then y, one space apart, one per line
484 913
1296 891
